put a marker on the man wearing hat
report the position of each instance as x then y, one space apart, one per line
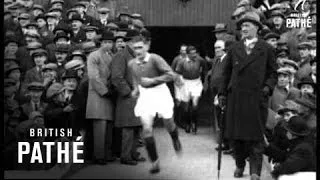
81 8
279 24
272 39
245 89
39 56
23 20
34 91
91 33
57 112
282 90
124 114
300 156
11 45
306 85
308 109
61 55
305 58
52 20
57 4
37 10
120 42
99 104
103 16
79 35
50 76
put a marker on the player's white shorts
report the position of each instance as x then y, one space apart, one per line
154 100
191 89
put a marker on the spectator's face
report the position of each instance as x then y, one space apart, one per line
39 121
70 83
61 41
304 52
248 30
218 49
124 18
40 60
9 91
140 49
80 9
24 22
120 44
33 28
11 48
307 88
273 42
35 95
103 15
52 21
91 35
36 12
76 24
61 56
193 54
314 68
277 21
15 74
183 51
50 74
288 114
107 44
283 80
41 23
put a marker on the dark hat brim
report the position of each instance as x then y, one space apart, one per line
219 30
285 109
303 133
303 83
58 37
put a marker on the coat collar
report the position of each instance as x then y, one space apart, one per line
245 58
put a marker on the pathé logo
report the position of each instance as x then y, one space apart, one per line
300 2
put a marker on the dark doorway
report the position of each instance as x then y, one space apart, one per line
166 42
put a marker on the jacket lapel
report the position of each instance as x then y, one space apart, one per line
251 57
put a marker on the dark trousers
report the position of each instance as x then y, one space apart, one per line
116 141
251 149
130 137
102 138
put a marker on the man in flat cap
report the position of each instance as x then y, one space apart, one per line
272 39
278 22
245 91
81 8
305 58
40 57
283 89
103 16
61 55
50 76
34 91
91 33
37 10
79 35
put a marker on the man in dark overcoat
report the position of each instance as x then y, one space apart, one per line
250 76
121 78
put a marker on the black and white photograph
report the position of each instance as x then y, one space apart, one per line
160 89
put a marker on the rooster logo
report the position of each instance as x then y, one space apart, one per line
300 2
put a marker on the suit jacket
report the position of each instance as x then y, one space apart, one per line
98 105
280 95
79 37
122 80
28 108
245 76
